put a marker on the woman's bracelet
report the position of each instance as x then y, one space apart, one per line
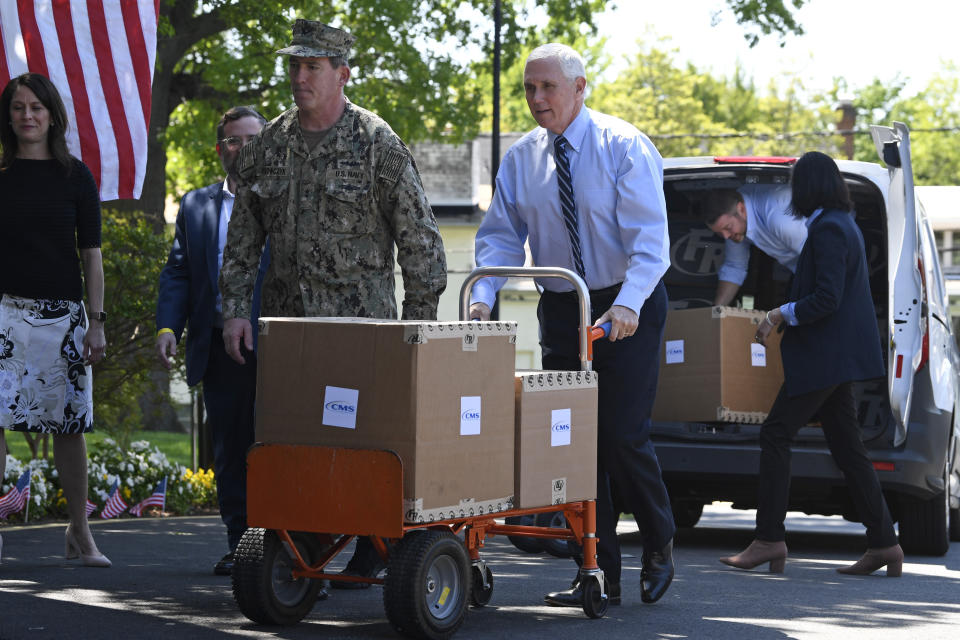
772 324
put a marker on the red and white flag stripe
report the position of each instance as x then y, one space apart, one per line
100 55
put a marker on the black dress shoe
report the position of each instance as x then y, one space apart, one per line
224 566
573 597
657 573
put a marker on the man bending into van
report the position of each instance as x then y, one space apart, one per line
751 215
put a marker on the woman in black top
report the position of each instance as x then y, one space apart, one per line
50 216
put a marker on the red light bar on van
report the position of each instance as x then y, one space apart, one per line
884 466
754 160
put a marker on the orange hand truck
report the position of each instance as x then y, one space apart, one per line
298 495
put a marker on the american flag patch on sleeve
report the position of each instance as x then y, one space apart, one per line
393 165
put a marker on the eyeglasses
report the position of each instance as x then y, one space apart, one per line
235 142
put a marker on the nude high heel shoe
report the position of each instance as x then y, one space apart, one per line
757 553
874 559
72 550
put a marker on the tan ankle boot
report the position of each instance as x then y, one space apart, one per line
757 553
873 559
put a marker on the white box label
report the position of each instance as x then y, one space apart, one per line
674 351
340 407
560 427
469 415
558 491
758 355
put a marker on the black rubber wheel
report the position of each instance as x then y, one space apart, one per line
480 595
686 513
525 543
427 587
925 524
954 525
594 605
262 584
556 548
954 518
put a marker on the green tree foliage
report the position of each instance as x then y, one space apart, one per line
932 114
936 155
133 256
659 98
766 17
687 112
421 64
413 64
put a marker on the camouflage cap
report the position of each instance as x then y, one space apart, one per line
312 39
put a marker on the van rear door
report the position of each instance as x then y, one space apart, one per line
905 314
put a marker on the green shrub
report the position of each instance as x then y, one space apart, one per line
133 256
138 469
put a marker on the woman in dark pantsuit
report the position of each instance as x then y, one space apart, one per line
831 340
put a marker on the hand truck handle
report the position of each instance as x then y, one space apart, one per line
595 334
583 295
599 331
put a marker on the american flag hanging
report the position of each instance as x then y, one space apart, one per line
100 55
91 507
115 504
156 499
16 498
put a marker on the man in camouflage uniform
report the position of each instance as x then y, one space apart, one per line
335 189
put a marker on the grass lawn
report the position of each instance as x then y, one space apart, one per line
176 446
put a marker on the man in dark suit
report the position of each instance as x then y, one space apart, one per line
189 296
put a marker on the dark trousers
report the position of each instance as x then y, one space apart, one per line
837 410
229 390
627 464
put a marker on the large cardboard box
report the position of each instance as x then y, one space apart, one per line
712 369
439 394
556 445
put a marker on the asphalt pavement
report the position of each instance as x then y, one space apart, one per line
162 586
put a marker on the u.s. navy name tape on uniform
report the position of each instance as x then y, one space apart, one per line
333 215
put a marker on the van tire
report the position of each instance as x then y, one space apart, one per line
925 526
954 517
954 525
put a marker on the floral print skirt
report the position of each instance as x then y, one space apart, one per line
45 387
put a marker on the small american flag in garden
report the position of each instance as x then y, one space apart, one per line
156 499
16 498
115 504
91 507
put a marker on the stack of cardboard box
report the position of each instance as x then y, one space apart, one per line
439 394
713 370
474 436
556 437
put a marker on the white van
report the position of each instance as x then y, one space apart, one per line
909 420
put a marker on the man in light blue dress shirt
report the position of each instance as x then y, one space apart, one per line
622 244
752 215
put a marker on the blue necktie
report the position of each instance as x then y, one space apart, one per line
565 183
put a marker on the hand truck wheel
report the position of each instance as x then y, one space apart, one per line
481 588
427 586
594 605
263 586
